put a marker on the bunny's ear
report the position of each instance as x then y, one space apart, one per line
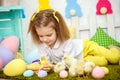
43 4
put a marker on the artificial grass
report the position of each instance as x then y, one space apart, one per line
114 74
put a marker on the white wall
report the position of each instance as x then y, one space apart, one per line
88 7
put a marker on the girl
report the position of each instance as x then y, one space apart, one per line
50 32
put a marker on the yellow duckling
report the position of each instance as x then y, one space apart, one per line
44 61
34 66
80 68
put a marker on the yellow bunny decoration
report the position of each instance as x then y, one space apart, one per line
43 4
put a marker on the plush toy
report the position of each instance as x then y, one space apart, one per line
103 7
72 9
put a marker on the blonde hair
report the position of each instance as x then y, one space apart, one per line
44 17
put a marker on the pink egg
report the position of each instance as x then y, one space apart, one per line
0 64
98 72
63 74
12 43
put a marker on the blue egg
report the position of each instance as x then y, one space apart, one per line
32 56
42 73
28 73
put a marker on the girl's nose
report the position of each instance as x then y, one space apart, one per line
45 39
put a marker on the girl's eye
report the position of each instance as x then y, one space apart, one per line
40 36
49 35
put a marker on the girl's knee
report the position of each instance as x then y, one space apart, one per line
115 57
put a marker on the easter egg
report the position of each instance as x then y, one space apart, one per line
6 55
1 39
15 67
0 64
12 43
28 73
106 70
32 56
42 73
98 73
63 74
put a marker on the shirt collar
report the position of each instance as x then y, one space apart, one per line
57 44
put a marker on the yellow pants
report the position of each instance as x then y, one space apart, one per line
100 55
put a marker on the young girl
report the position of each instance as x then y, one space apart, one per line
50 32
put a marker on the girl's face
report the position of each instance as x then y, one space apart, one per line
47 34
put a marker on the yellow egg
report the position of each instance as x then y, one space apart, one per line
106 70
15 67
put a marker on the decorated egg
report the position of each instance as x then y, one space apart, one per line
28 73
6 55
0 64
42 73
32 56
15 67
12 43
63 74
98 73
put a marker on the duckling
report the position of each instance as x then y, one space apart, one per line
80 68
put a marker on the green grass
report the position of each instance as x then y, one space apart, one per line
114 74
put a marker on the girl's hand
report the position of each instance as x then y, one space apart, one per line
47 68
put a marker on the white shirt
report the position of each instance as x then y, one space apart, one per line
72 47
